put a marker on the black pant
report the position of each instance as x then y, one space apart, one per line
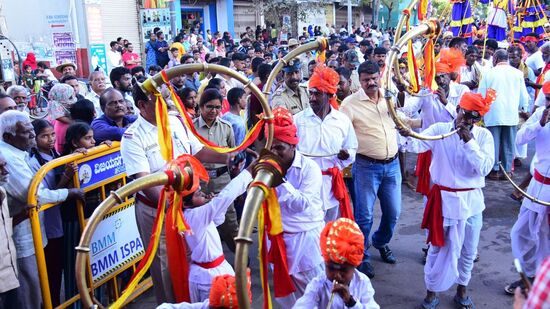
7 299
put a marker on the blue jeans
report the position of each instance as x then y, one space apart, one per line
372 180
505 146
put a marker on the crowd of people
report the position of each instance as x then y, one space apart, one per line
334 137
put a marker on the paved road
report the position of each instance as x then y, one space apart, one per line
402 285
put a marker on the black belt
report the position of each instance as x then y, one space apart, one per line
385 161
217 172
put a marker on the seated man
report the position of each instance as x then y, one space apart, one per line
223 295
342 245
114 121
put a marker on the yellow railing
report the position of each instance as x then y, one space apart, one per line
32 201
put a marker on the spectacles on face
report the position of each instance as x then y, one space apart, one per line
213 107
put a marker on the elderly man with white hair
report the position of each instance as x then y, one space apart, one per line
18 137
19 95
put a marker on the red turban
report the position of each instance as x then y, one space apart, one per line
546 87
450 61
285 130
342 242
223 292
324 79
476 102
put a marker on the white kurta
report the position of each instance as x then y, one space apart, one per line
202 305
319 290
327 136
530 234
456 165
204 241
302 213
432 110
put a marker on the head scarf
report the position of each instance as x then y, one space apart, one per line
62 93
546 87
450 61
285 130
223 292
476 102
342 242
326 80
30 60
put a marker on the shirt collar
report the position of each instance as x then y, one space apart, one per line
364 97
203 123
147 126
297 162
290 91
308 112
15 151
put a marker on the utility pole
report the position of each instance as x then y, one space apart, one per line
350 21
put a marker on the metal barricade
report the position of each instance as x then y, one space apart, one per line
116 244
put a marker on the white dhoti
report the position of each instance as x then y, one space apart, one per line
453 262
530 237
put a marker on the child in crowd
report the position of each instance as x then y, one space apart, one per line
56 179
342 285
175 60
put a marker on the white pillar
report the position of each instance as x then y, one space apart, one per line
350 21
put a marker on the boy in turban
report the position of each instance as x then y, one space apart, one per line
342 285
323 130
301 208
453 212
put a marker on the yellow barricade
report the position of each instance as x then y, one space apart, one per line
116 245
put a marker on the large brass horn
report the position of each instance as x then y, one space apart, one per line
427 28
521 191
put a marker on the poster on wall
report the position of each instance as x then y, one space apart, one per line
98 57
152 18
64 46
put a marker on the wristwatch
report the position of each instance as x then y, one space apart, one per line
351 302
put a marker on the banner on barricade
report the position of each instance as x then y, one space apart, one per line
100 169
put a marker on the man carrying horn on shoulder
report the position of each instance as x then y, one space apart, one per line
531 233
453 213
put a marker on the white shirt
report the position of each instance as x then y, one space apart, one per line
140 149
512 95
532 130
319 290
94 97
541 99
17 189
302 214
327 136
114 59
204 242
535 61
203 305
432 110
458 165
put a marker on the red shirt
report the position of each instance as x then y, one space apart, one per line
539 296
127 56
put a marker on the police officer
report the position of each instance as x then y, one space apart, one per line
291 95
219 131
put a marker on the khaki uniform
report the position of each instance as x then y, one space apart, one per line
287 98
221 133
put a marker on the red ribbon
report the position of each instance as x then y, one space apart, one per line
423 162
340 192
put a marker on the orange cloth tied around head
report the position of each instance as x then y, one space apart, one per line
285 129
342 242
450 61
546 88
476 102
223 293
325 80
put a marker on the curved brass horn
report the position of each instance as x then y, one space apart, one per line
426 28
152 83
404 19
115 198
529 197
319 44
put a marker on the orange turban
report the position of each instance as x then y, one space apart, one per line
546 87
342 242
285 130
324 79
450 60
476 102
223 292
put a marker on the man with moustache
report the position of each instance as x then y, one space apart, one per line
323 130
376 171
121 79
114 121
291 95
98 85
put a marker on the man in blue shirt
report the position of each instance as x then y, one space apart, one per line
114 121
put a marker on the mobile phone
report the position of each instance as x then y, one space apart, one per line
522 275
